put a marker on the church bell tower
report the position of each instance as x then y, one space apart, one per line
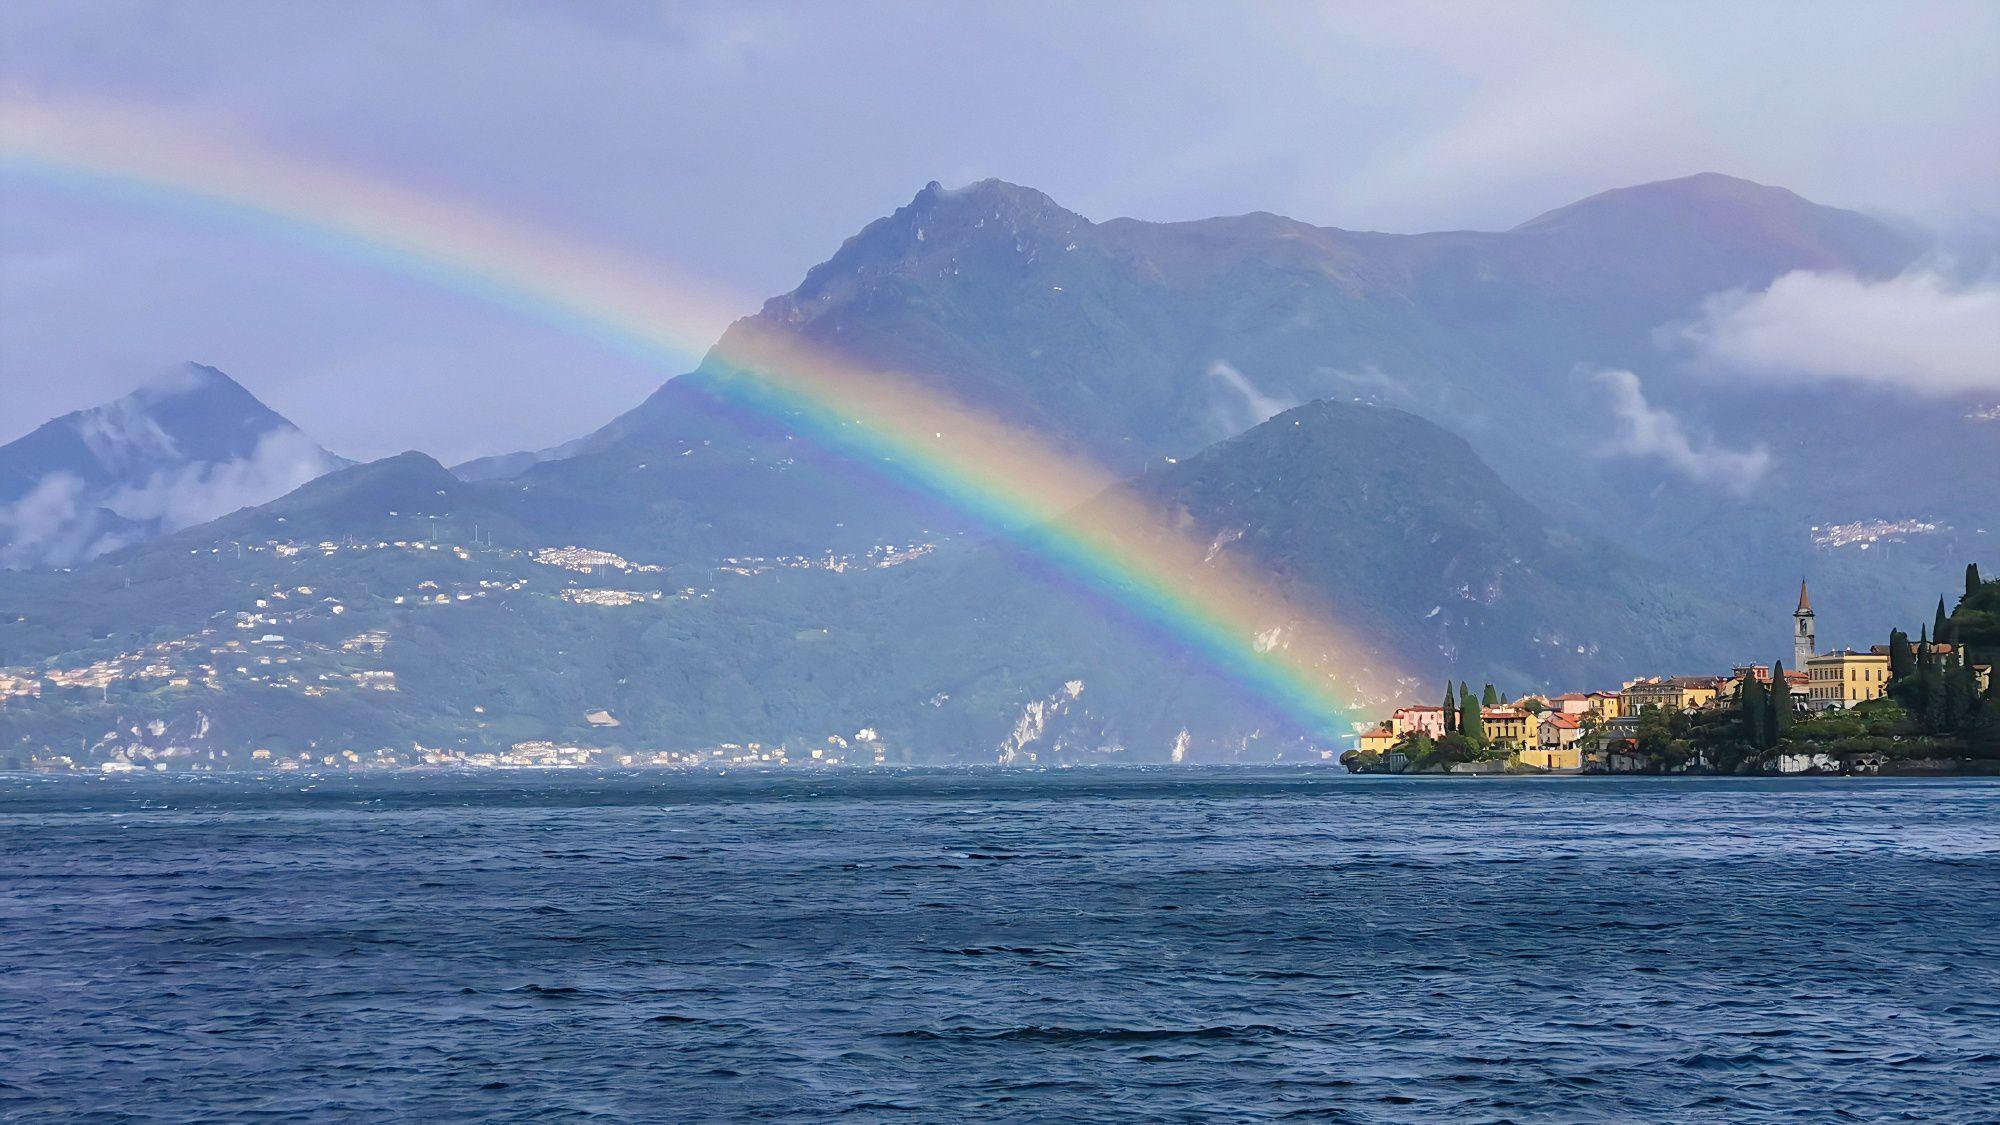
1803 645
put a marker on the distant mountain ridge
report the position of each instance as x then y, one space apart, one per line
1409 429
493 630
1128 341
185 447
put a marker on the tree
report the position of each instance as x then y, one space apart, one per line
1780 720
1470 723
1450 709
1750 702
1971 579
1938 626
1902 661
1959 689
1489 697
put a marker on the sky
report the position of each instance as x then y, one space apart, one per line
738 144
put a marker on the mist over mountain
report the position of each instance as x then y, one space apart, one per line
185 447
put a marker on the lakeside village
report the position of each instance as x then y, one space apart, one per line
1931 705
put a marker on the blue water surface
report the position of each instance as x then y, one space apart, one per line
1089 944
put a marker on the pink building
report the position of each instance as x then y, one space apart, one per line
1427 721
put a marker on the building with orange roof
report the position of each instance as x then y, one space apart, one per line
1558 743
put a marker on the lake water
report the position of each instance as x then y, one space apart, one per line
1231 944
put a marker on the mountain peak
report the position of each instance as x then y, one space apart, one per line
1675 197
1763 224
184 446
940 232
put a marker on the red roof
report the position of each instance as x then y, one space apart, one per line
1562 721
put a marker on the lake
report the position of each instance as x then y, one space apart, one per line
1128 944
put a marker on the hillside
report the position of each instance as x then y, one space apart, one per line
333 617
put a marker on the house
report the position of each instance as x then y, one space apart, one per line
1572 703
1509 725
1844 678
1558 743
1624 728
1378 741
1669 693
1427 721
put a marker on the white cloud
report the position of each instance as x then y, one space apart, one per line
50 525
1646 430
1248 406
61 522
186 495
1919 332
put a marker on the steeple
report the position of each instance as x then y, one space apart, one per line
1804 644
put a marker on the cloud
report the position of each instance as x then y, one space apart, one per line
1646 430
1921 332
1248 406
60 521
50 525
196 493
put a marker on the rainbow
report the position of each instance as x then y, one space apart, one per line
1011 481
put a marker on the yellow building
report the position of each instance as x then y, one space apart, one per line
1603 704
1669 693
1558 745
1845 678
1378 741
1509 725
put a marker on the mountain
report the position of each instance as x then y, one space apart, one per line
1399 526
1477 451
390 605
1551 347
184 448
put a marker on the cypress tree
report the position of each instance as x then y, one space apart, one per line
1901 661
1470 724
1489 697
1937 717
1450 710
1968 679
1971 579
1781 705
1750 705
1924 696
1938 626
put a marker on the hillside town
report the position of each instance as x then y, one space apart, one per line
1750 719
